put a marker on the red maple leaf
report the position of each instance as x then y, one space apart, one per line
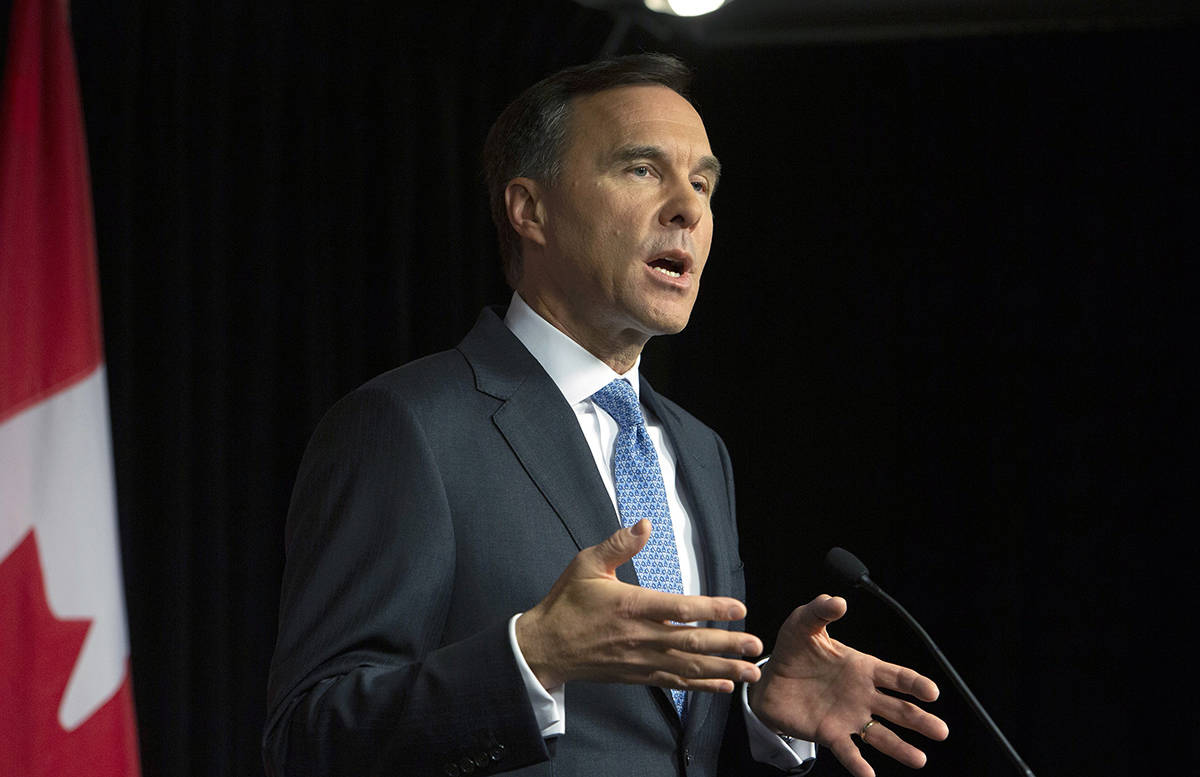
37 653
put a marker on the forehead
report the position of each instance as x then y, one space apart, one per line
637 115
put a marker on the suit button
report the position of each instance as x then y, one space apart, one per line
466 765
687 757
451 770
497 752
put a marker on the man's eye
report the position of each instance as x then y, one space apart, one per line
701 187
641 171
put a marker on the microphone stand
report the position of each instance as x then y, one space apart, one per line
864 580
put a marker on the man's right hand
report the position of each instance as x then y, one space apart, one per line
591 626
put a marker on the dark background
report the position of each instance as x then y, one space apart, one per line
947 323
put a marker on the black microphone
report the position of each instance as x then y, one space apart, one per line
846 567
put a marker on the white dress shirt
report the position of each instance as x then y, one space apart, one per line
578 374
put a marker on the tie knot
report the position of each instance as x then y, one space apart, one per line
619 401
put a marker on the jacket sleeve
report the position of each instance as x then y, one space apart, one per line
361 682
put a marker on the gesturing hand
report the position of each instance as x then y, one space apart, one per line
592 626
818 689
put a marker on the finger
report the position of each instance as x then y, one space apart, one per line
909 715
905 680
703 641
654 605
849 756
887 742
690 671
819 613
619 547
679 656
668 680
650 661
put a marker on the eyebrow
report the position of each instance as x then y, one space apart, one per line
707 163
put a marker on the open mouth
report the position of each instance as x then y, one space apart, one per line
669 266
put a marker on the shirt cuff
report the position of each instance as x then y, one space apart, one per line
766 746
549 707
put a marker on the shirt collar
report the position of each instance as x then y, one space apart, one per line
577 373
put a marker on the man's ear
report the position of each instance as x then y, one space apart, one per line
523 201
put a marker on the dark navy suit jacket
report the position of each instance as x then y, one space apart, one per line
432 504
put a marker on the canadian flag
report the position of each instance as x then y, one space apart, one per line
66 706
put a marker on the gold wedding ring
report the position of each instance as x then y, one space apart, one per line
862 732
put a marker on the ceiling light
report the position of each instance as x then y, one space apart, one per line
684 7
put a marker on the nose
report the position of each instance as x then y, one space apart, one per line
684 206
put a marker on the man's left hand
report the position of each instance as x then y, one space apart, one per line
818 689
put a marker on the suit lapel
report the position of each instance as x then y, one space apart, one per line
701 480
543 433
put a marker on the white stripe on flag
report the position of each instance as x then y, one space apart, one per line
56 477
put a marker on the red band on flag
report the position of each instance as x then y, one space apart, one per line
49 301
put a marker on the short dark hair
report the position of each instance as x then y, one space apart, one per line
529 137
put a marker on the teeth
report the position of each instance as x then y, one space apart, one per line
667 272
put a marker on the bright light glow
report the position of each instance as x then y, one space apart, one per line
684 7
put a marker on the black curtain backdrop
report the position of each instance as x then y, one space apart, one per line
947 324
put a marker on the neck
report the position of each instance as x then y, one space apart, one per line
618 349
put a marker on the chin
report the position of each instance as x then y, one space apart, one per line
663 319
676 327
668 324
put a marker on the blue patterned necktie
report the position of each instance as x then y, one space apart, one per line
641 494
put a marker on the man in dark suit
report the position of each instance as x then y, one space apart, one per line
459 596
